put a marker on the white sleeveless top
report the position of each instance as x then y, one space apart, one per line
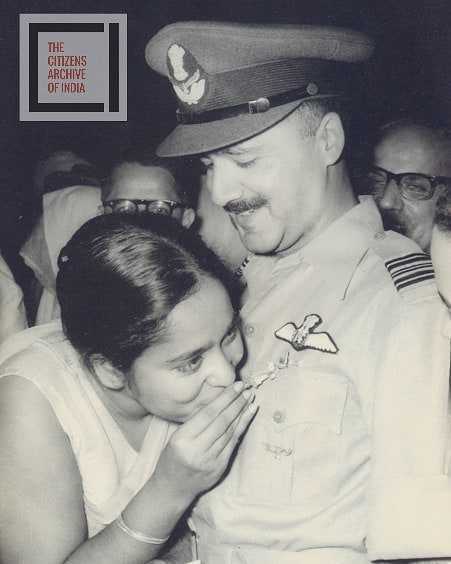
112 472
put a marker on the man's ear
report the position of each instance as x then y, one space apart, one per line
188 217
331 138
108 376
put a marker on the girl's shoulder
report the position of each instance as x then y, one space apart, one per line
41 345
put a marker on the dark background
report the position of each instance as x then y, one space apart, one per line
410 73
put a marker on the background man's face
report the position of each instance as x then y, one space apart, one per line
409 149
441 259
135 181
441 246
272 186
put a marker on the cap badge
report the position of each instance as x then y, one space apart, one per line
303 337
312 89
185 75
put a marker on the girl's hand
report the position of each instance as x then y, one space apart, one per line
198 452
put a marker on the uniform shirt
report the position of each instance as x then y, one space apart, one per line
300 480
12 309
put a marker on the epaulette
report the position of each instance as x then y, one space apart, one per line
407 271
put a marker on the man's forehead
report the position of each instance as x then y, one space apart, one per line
414 147
139 181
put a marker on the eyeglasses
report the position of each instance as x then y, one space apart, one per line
412 185
159 207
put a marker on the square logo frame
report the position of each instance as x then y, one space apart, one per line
88 87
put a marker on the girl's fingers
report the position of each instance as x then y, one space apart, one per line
225 421
211 413
226 443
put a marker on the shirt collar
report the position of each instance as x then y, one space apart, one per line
340 248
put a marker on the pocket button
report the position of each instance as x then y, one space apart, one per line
249 330
278 416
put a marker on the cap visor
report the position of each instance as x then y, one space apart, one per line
193 139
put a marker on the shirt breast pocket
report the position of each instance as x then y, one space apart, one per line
313 399
291 450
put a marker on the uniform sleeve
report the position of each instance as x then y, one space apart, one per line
410 492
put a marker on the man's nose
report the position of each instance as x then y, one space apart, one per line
223 184
391 197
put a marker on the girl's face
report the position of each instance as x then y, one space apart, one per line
196 360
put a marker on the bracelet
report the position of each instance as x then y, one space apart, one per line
137 535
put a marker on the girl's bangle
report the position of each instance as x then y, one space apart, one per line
137 535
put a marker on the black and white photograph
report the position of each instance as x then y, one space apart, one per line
225 282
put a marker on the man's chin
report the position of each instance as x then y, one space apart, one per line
257 244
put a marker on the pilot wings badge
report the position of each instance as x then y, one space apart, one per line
186 75
303 337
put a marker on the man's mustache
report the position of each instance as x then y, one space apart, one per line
392 221
240 206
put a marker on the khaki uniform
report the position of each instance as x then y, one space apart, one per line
353 397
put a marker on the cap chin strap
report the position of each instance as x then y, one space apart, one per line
258 106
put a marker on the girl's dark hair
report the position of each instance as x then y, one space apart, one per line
119 278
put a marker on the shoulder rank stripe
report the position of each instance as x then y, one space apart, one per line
410 269
406 259
422 278
406 270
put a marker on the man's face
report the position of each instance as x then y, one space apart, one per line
409 149
441 247
133 181
441 253
272 186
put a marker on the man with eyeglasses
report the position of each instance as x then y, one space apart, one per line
146 186
412 168
137 184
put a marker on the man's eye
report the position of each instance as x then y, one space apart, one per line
191 366
246 164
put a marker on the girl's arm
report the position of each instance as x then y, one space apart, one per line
42 517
